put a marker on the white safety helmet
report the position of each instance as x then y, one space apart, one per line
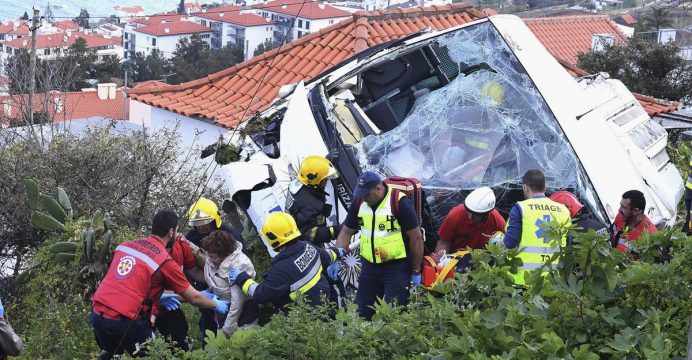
481 200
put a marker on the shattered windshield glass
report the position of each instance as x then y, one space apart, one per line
485 127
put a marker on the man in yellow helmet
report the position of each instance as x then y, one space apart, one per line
307 200
524 226
296 269
686 227
203 218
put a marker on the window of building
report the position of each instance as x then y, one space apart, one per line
300 33
127 36
307 25
153 42
331 21
46 51
204 22
300 23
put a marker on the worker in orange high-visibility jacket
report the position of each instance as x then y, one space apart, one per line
631 222
139 273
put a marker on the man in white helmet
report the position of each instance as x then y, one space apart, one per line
470 224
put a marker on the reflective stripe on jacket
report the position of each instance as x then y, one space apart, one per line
534 242
381 239
128 282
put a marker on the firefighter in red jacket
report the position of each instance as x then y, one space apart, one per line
140 271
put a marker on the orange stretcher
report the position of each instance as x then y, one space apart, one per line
434 275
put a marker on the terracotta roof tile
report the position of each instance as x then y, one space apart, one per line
567 36
173 28
245 91
307 10
67 106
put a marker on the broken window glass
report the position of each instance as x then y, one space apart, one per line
485 127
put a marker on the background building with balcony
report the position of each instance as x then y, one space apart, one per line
244 29
161 32
306 17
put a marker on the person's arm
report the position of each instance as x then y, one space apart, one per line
271 289
408 220
446 232
10 343
415 239
513 234
196 298
344 237
235 308
349 227
196 274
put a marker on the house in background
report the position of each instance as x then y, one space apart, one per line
295 19
244 29
14 29
192 7
161 32
127 13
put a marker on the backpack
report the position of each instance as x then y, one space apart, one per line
412 188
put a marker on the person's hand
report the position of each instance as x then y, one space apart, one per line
221 306
169 301
2 309
416 279
208 294
333 271
341 252
233 274
437 255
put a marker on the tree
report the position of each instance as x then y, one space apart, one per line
48 13
82 59
25 16
264 47
225 57
657 19
644 67
151 67
83 19
181 7
110 67
193 59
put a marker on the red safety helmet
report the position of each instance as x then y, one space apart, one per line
569 200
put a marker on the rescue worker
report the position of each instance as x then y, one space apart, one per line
10 343
583 221
307 200
686 227
307 203
631 222
391 242
140 271
296 269
170 320
524 226
470 224
204 218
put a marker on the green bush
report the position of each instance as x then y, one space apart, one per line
599 304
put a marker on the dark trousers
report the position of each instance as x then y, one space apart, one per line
389 281
207 321
688 204
114 336
173 325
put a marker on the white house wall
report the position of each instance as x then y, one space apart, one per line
256 35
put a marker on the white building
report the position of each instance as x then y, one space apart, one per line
110 29
14 29
309 17
49 46
126 13
246 30
161 32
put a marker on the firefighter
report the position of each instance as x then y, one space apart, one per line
686 227
140 271
631 222
583 221
524 226
296 269
307 203
204 218
307 200
391 242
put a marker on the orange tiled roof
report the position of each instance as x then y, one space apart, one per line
236 18
173 28
566 36
158 19
75 105
628 19
654 106
66 25
234 94
304 9
16 27
489 11
63 40
129 9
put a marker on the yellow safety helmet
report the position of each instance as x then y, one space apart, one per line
279 228
203 212
314 169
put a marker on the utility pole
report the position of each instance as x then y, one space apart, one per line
32 66
125 115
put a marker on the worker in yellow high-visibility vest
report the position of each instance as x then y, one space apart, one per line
524 226
686 227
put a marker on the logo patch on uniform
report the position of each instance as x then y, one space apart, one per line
306 258
125 266
539 233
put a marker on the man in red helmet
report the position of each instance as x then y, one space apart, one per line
583 221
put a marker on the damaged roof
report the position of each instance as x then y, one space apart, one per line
244 89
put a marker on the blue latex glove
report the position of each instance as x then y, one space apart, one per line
233 274
333 271
2 309
221 306
341 251
169 302
209 295
415 279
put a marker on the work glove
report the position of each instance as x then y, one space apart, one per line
2 309
341 252
221 306
233 274
415 279
209 295
169 302
333 271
